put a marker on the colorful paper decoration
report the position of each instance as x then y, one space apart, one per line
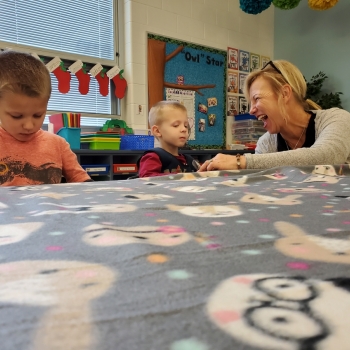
254 7
120 83
84 80
257 6
322 4
79 69
63 78
98 72
56 66
286 4
103 82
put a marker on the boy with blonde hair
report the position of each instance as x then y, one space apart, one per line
169 124
28 154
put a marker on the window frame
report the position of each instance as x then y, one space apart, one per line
70 58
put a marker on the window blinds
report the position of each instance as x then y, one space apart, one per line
81 27
77 27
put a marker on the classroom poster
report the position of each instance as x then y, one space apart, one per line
254 62
232 82
232 106
264 61
244 61
185 66
242 78
232 58
186 98
243 105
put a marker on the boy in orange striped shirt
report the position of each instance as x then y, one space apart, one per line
28 154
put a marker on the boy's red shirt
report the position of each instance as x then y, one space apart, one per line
150 165
42 160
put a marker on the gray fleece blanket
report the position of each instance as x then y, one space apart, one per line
211 261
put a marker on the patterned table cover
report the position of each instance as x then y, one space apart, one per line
200 261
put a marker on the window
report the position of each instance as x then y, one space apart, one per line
70 29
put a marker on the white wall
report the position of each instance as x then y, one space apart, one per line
317 41
214 23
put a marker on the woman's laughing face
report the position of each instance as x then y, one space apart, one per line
264 105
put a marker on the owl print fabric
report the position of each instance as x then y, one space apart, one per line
201 261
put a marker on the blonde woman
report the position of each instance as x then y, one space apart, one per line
298 131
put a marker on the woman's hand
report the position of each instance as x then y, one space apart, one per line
222 162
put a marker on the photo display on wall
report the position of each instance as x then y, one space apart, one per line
239 64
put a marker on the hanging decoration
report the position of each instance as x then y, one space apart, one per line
286 4
103 82
98 72
253 7
322 4
120 83
56 66
78 68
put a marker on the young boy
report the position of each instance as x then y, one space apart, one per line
169 124
29 155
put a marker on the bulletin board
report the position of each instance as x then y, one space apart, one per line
194 75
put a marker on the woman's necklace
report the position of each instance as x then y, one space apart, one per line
297 142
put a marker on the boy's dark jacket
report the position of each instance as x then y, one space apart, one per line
170 164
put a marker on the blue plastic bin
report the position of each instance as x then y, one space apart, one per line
244 117
136 142
71 135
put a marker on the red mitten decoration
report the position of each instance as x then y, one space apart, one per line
120 84
103 82
63 78
84 80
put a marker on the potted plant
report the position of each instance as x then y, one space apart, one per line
315 93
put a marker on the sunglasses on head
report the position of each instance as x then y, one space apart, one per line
273 66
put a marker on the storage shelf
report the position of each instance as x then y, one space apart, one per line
110 157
